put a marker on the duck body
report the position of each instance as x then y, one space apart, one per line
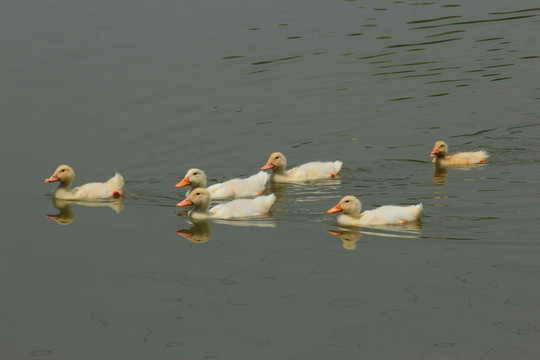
64 174
234 188
239 208
384 215
442 158
240 188
316 170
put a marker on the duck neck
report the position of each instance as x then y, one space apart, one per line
441 155
355 213
439 158
200 209
279 170
64 184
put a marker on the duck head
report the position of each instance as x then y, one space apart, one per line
63 174
199 198
440 149
195 178
349 205
276 161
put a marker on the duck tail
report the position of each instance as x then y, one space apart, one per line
418 210
117 183
260 177
338 165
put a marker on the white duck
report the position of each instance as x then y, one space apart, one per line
388 214
234 188
315 170
112 188
440 156
241 208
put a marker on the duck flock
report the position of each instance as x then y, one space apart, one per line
247 192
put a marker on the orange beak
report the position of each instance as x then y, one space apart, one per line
336 233
434 152
185 182
335 209
269 165
187 201
188 234
53 178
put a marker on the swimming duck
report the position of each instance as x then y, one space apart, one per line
240 208
388 214
440 156
315 170
234 188
64 174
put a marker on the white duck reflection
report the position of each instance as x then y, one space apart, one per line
65 215
350 235
348 238
199 233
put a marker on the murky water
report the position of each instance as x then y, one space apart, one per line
151 89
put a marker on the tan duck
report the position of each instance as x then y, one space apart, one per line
442 158
64 174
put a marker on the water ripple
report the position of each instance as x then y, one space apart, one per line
424 43
264 62
473 22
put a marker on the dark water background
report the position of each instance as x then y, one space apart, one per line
151 89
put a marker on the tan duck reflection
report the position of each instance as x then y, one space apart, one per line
199 233
65 215
440 176
348 238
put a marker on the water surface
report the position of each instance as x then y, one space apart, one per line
153 89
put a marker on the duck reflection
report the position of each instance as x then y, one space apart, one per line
199 233
350 235
440 175
65 215
348 238
248 222
278 189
